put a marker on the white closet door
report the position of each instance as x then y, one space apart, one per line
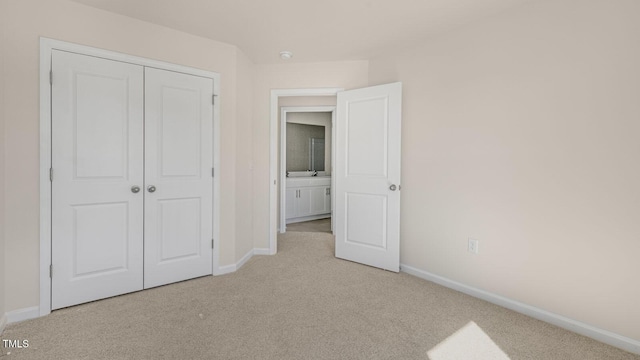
97 147
178 177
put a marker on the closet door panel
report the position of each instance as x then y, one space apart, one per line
97 157
178 176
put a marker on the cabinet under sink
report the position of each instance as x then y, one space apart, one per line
308 198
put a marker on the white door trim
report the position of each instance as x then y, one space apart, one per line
283 153
273 154
46 48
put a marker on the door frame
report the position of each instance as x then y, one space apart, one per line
283 154
47 46
273 153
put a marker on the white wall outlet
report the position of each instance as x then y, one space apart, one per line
473 246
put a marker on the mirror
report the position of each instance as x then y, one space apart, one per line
305 147
316 154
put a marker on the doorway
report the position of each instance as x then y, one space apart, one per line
275 181
366 158
306 168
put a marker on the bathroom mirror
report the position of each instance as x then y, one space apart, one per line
305 147
316 154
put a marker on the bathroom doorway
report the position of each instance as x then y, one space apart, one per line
306 168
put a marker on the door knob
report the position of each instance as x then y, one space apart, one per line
393 187
135 189
151 188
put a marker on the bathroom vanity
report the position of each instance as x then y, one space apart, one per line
308 198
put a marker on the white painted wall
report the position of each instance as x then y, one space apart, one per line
3 255
347 74
244 153
25 21
522 131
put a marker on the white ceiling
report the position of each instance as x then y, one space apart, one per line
314 30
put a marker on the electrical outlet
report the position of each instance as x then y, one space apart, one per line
473 246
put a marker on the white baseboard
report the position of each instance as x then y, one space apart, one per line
228 269
244 259
593 332
22 314
261 251
3 322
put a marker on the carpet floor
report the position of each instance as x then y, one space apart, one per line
323 225
302 303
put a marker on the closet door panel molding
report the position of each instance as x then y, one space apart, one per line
178 162
97 121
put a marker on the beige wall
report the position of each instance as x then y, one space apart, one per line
521 131
347 74
244 153
26 21
3 14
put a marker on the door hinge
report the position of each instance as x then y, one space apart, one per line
213 99
51 174
51 271
212 243
213 172
50 77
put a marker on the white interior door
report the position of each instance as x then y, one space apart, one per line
178 177
367 176
97 147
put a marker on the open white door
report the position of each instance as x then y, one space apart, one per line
97 135
367 176
178 228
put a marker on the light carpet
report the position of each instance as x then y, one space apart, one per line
323 225
299 304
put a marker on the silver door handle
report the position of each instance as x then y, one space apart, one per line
135 189
151 188
393 187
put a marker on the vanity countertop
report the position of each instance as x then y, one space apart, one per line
309 181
